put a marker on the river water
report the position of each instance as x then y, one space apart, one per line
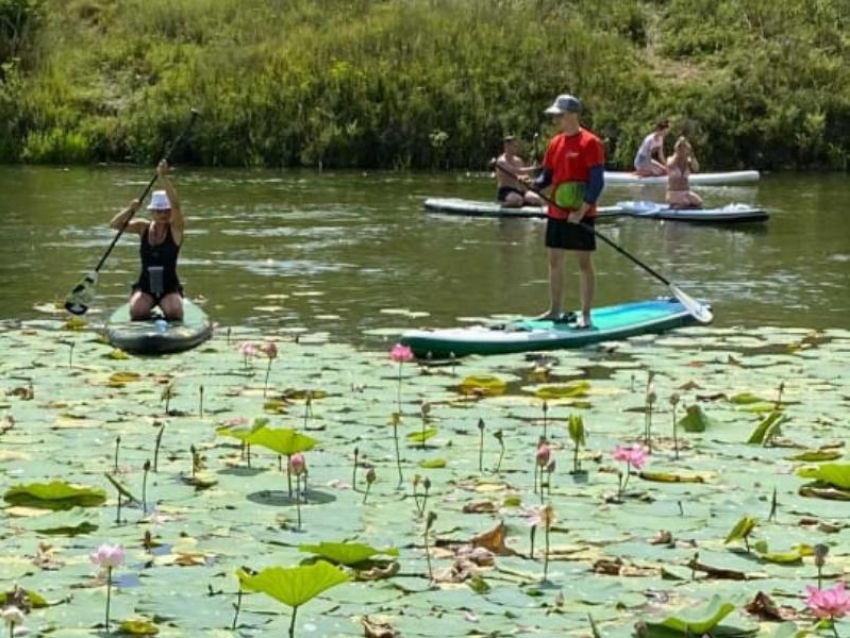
345 253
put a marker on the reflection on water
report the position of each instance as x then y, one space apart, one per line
262 245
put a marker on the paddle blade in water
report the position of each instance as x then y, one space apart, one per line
700 311
78 300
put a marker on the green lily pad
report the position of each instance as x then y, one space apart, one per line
816 456
138 627
701 620
433 464
35 600
346 553
486 385
294 586
835 474
56 495
794 555
283 441
574 390
743 528
420 436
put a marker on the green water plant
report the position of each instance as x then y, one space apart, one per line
347 553
695 621
117 448
55 495
124 496
821 552
293 586
578 435
767 429
201 401
146 468
354 469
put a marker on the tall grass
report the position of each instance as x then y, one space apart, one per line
424 83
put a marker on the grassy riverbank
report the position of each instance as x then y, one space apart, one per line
419 83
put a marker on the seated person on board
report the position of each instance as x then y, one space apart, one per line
679 167
649 160
511 192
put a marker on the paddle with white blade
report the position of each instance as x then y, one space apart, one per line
78 300
699 311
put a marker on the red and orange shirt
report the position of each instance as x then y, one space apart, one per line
569 158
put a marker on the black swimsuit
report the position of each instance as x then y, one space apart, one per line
163 256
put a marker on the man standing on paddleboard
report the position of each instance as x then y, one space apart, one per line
574 168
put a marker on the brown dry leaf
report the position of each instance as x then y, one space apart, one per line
375 629
23 393
690 385
716 572
608 566
662 538
765 608
494 540
484 507
378 572
828 493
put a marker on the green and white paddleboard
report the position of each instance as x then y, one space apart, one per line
158 336
609 323
471 208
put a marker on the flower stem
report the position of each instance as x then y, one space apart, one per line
298 499
675 434
266 382
428 558
108 594
156 447
397 451
366 493
288 479
292 622
236 609
398 396
546 556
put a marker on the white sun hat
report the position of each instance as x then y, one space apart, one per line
159 201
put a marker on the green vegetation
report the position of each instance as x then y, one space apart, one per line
419 83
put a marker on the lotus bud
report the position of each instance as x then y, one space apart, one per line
481 424
426 483
674 399
821 551
370 475
651 396
416 479
13 616
551 466
108 556
425 409
432 516
297 464
559 599
547 516
543 455
498 435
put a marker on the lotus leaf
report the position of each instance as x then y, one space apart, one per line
574 390
294 586
282 440
138 627
33 598
420 436
743 528
745 398
816 456
795 555
835 474
575 427
346 553
55 495
486 385
701 620
767 428
433 464
670 477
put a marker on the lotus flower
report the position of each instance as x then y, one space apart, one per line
268 348
634 455
108 556
248 349
828 603
401 353
297 464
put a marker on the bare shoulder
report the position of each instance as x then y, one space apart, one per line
136 226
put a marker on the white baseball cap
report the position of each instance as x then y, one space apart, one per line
564 103
159 201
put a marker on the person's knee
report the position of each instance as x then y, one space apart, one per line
513 200
172 307
585 263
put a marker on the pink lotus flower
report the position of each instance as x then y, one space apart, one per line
635 455
248 349
401 353
828 603
268 348
108 556
297 464
544 452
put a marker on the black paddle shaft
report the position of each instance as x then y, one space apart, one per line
590 229
192 117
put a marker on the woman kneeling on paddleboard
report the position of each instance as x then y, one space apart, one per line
679 168
161 238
